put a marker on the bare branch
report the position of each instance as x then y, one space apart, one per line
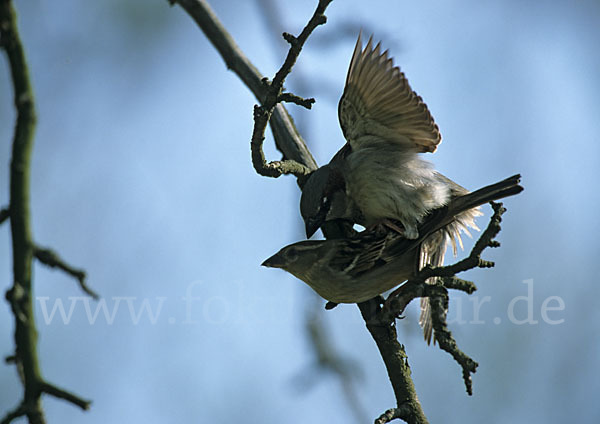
396 362
456 283
439 308
438 294
292 98
59 393
50 258
275 168
392 414
20 295
287 138
273 96
19 411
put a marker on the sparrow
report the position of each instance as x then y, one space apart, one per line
358 268
378 176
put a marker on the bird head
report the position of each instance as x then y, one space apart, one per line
296 258
323 198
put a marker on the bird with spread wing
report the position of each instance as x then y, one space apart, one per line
378 177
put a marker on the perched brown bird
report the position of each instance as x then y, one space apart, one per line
378 176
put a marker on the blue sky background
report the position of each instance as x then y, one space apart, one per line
142 176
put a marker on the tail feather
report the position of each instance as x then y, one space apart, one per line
446 224
433 251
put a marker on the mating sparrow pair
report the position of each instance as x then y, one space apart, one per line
378 180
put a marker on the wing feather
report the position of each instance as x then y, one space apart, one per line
379 103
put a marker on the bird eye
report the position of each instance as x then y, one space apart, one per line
292 254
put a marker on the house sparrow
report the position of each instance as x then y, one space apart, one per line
347 270
379 172
353 270
378 176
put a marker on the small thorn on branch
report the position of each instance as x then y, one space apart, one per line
290 38
5 213
50 258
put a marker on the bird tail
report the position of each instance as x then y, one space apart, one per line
458 216
433 250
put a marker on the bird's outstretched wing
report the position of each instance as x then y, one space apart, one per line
378 103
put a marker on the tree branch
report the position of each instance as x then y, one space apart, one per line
10 416
51 259
20 296
59 393
292 98
273 95
438 294
287 138
396 362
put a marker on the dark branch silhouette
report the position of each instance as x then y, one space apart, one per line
20 295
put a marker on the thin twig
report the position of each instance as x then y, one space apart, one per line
292 98
287 137
400 413
456 283
59 393
19 411
273 96
50 258
439 308
438 294
275 168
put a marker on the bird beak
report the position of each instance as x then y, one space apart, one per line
311 227
275 261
